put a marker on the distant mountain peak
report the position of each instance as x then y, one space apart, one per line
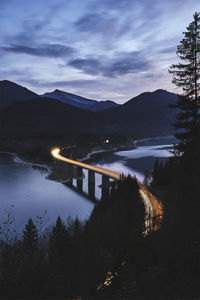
57 91
79 101
147 114
156 96
7 81
160 91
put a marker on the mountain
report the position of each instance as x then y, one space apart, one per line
46 117
102 105
79 101
147 114
11 92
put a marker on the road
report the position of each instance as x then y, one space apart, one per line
56 153
153 208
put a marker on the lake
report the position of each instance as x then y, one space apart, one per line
26 192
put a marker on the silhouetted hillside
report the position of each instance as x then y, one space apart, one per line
79 101
46 117
103 105
11 92
148 114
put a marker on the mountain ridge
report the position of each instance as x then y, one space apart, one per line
145 115
79 101
11 92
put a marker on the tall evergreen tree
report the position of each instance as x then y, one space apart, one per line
57 242
30 238
186 75
60 261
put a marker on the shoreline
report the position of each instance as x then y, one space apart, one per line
55 172
21 160
60 173
113 149
118 148
49 168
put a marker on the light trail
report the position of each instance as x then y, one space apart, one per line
154 209
114 175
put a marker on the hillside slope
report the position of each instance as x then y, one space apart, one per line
148 114
79 101
11 92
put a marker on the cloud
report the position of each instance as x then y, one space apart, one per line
90 22
167 50
94 23
115 5
60 83
88 66
44 50
108 27
123 64
129 63
28 23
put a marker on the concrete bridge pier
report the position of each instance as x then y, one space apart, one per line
70 174
70 181
91 184
79 180
105 187
70 170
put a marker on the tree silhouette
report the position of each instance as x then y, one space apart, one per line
30 238
57 242
59 257
187 75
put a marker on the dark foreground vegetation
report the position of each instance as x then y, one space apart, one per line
176 269
75 259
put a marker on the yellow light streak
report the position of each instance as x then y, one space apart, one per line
114 175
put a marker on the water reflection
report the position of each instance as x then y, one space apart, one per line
31 194
138 160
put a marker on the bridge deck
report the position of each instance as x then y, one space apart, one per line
114 175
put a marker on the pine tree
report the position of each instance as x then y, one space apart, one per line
186 75
30 238
59 260
58 240
156 172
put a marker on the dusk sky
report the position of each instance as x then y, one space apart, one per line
100 49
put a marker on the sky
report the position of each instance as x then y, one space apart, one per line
99 49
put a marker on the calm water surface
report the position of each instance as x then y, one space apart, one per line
31 194
136 161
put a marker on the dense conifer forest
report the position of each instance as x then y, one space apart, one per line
73 259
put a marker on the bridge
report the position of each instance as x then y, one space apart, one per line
106 174
153 207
